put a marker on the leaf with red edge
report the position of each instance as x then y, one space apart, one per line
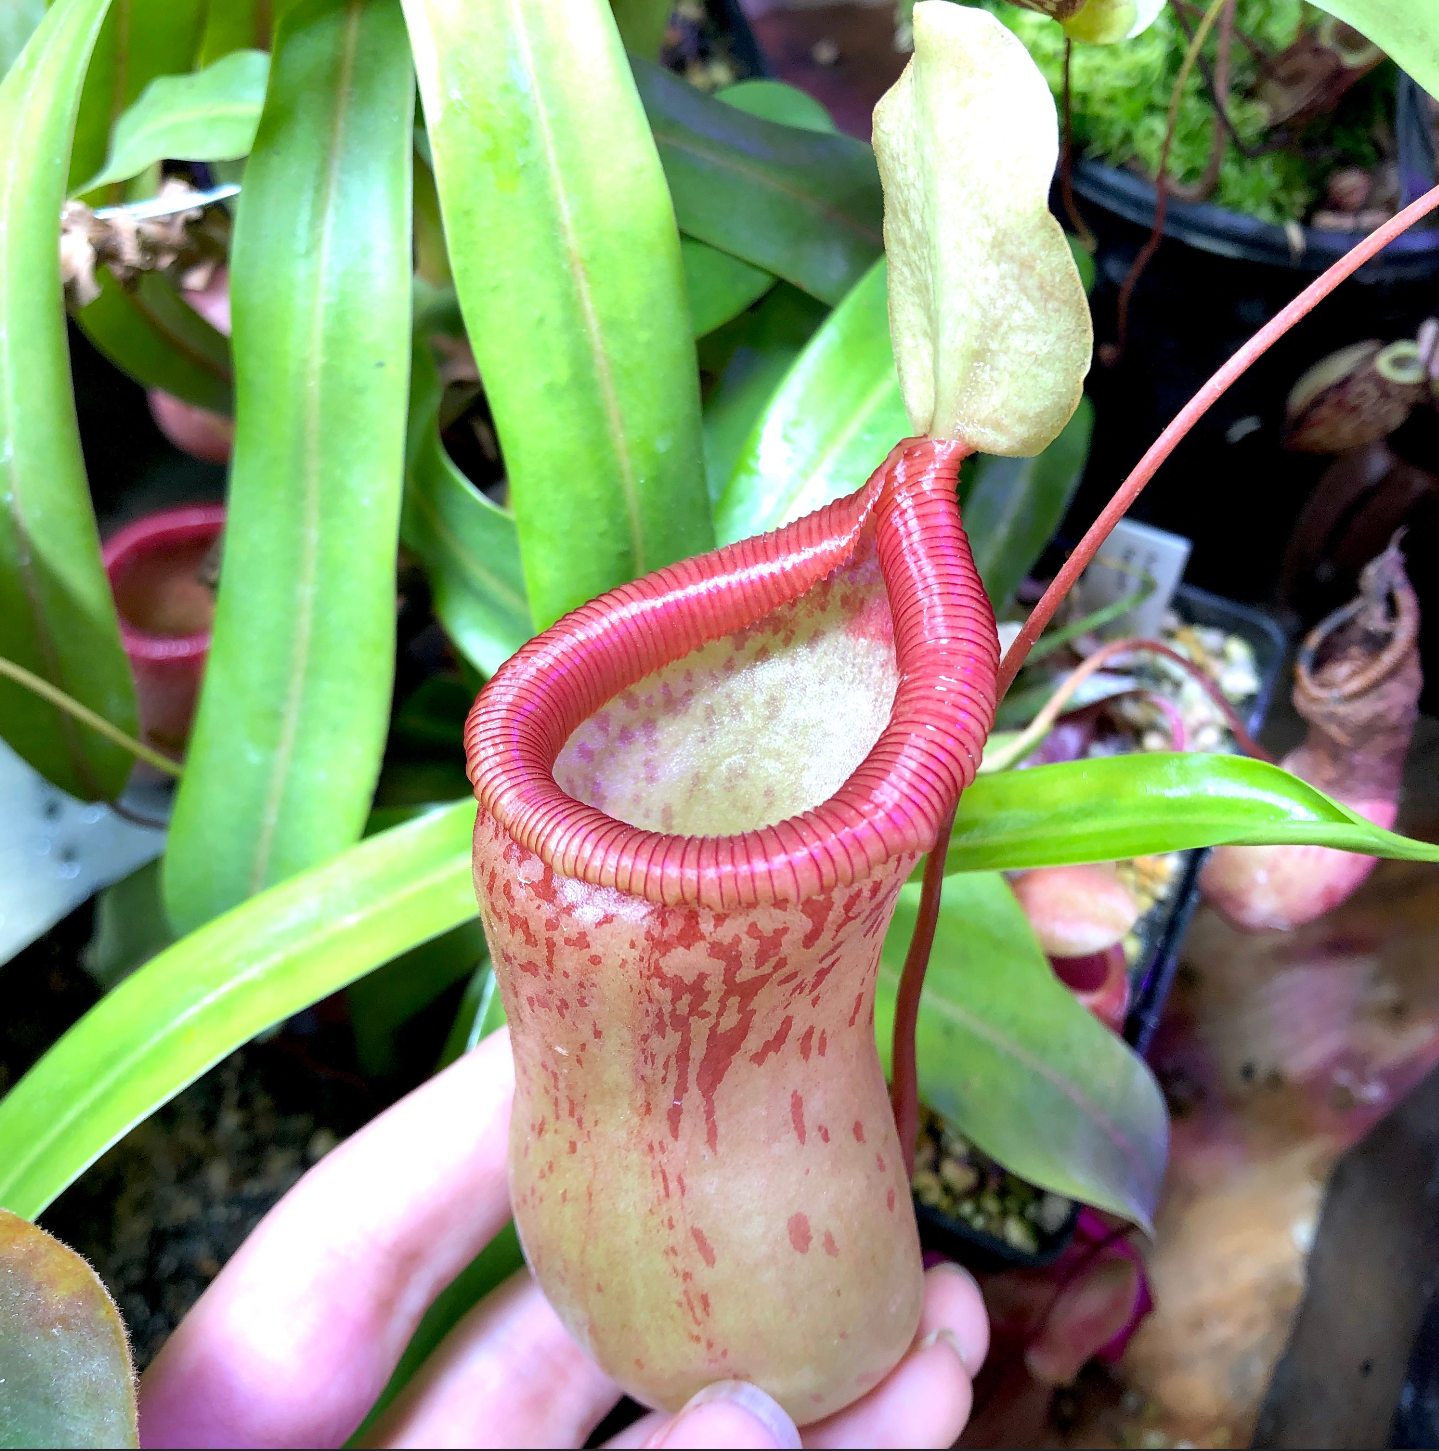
65 1374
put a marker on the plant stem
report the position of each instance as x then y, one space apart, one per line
1115 351
1186 418
97 723
1221 108
904 1064
1087 239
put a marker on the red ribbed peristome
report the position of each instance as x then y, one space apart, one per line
897 799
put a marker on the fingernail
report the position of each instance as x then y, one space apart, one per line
950 1339
730 1413
972 1356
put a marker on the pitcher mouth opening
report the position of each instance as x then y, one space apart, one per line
895 801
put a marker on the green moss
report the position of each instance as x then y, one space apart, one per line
1121 99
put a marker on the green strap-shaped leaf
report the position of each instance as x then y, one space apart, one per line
1122 806
156 337
65 1373
468 545
235 25
18 19
141 39
208 116
215 989
642 24
383 1001
292 718
776 101
1009 1056
1406 30
750 355
265 960
1016 504
567 263
800 204
56 615
471 553
718 285
829 425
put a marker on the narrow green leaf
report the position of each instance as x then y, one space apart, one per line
383 1001
1402 29
480 1014
775 101
141 39
829 425
201 999
487 1271
234 25
1008 1055
472 1021
156 337
469 547
1083 260
56 615
130 927
1016 504
718 285
65 1374
1114 807
208 116
552 194
292 718
794 202
642 24
751 356
18 19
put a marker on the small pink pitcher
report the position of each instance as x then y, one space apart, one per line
154 566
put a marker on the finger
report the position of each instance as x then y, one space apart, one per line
953 1301
926 1399
507 1375
297 1336
728 1413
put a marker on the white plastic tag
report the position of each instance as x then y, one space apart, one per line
1133 554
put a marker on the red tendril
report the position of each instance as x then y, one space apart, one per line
1190 414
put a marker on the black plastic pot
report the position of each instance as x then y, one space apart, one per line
1153 975
1413 256
1215 280
983 1253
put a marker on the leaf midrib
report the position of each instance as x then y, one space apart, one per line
584 296
312 471
768 181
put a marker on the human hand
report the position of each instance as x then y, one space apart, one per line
293 1342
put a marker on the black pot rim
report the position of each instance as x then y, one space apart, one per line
1410 257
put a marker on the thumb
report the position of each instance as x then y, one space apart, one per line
729 1413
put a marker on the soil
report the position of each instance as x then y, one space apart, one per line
161 1212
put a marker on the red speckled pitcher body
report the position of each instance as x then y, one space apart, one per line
704 1165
